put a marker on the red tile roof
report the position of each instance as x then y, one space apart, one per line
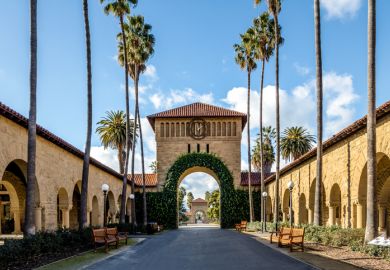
197 109
199 200
150 179
19 119
356 126
255 178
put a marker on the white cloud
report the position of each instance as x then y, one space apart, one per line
107 156
341 8
301 70
179 97
298 106
151 73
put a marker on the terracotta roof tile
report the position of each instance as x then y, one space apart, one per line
356 126
197 109
150 179
19 119
255 178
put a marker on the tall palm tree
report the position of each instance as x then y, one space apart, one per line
32 125
264 31
274 7
120 8
371 221
295 142
317 196
141 43
112 132
246 59
268 152
85 173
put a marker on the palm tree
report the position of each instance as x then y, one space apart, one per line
85 173
264 31
32 126
317 196
295 142
141 43
371 221
120 8
112 132
245 57
268 152
274 7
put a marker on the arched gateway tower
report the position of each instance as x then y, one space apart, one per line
199 128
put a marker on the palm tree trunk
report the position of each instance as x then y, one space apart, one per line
84 179
249 149
145 211
32 124
318 187
371 220
120 158
124 187
134 219
262 214
277 173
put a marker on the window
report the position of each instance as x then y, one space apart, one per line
219 129
229 129
183 130
172 129
234 129
188 129
207 148
189 148
213 129
177 129
198 147
162 130
208 131
166 129
223 129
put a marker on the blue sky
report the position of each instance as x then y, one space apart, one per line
193 61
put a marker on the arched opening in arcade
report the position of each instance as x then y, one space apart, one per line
199 198
13 185
359 207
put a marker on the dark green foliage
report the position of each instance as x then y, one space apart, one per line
50 244
163 206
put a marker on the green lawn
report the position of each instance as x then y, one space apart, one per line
87 258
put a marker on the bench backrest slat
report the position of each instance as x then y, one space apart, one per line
99 232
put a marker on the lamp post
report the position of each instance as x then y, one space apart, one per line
290 187
131 197
105 189
264 227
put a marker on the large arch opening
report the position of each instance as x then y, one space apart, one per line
13 185
198 197
335 205
212 165
62 208
324 208
95 212
303 212
74 213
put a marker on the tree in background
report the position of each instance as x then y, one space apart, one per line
120 8
295 142
153 166
268 150
190 198
207 195
182 208
213 205
112 131
246 59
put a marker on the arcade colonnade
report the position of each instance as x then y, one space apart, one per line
58 180
344 185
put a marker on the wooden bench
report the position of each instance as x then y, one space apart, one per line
297 239
100 237
113 232
282 237
241 226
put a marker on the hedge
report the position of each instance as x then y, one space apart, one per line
162 206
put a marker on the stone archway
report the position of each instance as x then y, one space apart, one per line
212 165
62 208
303 212
335 205
95 212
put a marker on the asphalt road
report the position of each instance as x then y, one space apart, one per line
200 249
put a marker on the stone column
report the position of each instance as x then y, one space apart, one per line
331 215
38 218
284 216
382 217
17 228
310 216
65 217
359 216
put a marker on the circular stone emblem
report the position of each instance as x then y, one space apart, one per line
198 128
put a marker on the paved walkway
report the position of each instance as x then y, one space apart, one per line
200 248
